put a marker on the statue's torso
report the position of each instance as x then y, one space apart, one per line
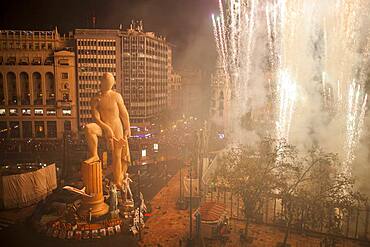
109 111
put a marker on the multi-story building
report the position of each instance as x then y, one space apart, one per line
145 73
194 92
37 85
174 92
140 62
98 51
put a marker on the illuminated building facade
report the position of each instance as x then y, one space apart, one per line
37 85
98 51
141 63
146 60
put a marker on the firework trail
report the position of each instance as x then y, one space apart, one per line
317 59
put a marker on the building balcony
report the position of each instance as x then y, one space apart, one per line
36 61
23 61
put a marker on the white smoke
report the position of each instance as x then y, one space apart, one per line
319 54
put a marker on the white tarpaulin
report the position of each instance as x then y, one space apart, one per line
28 188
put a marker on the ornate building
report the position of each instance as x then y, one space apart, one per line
37 85
219 91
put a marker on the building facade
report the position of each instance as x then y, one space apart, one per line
145 69
37 85
175 93
98 51
194 92
140 61
219 97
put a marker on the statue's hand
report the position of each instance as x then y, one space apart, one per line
109 135
127 133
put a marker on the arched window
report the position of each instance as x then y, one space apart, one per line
2 94
50 88
25 89
12 88
37 88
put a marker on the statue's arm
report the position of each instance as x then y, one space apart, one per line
123 114
96 115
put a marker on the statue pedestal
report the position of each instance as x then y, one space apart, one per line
92 180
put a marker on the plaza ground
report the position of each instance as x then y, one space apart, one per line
169 226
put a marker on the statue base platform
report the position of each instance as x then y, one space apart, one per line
114 214
128 206
97 209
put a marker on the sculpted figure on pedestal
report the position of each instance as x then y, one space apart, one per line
126 188
112 121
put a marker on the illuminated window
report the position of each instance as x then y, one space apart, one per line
26 112
39 112
13 112
51 112
67 112
39 129
2 112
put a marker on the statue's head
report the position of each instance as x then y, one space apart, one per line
107 82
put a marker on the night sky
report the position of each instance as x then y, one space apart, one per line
185 23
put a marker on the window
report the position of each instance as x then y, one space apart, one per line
39 112
27 129
25 89
50 89
63 62
36 61
51 112
65 96
67 112
14 129
39 129
26 112
12 89
2 95
67 126
64 75
3 129
52 129
13 112
37 89
2 112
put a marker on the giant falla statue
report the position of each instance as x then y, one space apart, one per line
112 122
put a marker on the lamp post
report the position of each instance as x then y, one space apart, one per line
138 184
190 206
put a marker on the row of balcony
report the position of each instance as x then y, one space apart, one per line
26 61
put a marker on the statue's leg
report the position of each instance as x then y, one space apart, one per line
92 131
125 157
117 165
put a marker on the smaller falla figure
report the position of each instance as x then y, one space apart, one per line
113 197
126 188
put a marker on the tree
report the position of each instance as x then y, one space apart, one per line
313 190
251 173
